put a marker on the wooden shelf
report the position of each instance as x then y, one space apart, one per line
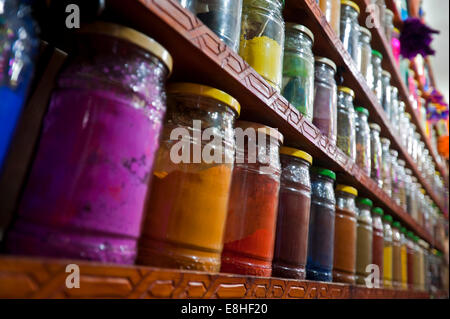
46 278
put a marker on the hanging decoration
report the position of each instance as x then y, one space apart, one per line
437 109
416 38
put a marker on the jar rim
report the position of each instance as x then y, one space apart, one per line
386 73
301 28
326 61
375 127
351 4
385 140
325 172
366 31
346 90
296 153
269 131
206 91
132 36
378 210
347 189
364 201
362 110
377 53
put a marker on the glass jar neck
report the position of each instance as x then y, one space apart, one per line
298 41
345 100
323 70
345 201
273 7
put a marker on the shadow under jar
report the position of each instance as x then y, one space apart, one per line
252 207
262 38
319 264
186 207
222 17
298 69
344 265
364 239
85 195
291 244
346 136
325 98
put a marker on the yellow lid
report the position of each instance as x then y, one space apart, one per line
347 189
397 30
132 36
437 173
347 90
261 128
408 116
297 153
351 4
207 91
422 191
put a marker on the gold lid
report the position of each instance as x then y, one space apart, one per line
347 189
386 73
296 153
375 127
132 36
351 4
261 128
301 28
408 116
326 61
207 91
347 90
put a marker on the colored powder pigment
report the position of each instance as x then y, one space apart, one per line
397 266
251 222
265 56
364 242
85 195
325 110
404 266
185 216
410 266
387 265
344 246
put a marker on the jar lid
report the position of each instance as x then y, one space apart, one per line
326 61
378 210
347 90
296 153
401 162
395 89
396 224
270 131
325 172
375 127
364 201
422 191
301 28
386 73
389 11
408 116
396 30
207 91
363 110
393 152
377 53
366 31
132 36
385 140
388 218
416 238
408 171
351 4
410 234
403 230
347 189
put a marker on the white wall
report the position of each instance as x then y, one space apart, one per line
437 17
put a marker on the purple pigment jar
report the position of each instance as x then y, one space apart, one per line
85 195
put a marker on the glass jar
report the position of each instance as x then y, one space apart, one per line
298 69
349 27
395 45
410 256
394 177
386 95
403 123
262 38
291 243
222 17
364 51
420 202
394 116
411 132
325 98
345 235
401 183
377 84
346 137
332 11
103 117
387 252
388 24
376 154
364 239
420 155
321 226
396 256
363 157
249 236
415 189
404 258
386 166
426 213
417 261
415 151
409 192
188 233
378 244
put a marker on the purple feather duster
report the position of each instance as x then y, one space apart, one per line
416 39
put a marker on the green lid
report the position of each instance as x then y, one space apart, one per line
364 201
378 210
363 110
416 238
388 218
377 53
397 225
325 172
403 230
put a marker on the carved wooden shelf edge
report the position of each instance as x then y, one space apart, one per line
23 277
